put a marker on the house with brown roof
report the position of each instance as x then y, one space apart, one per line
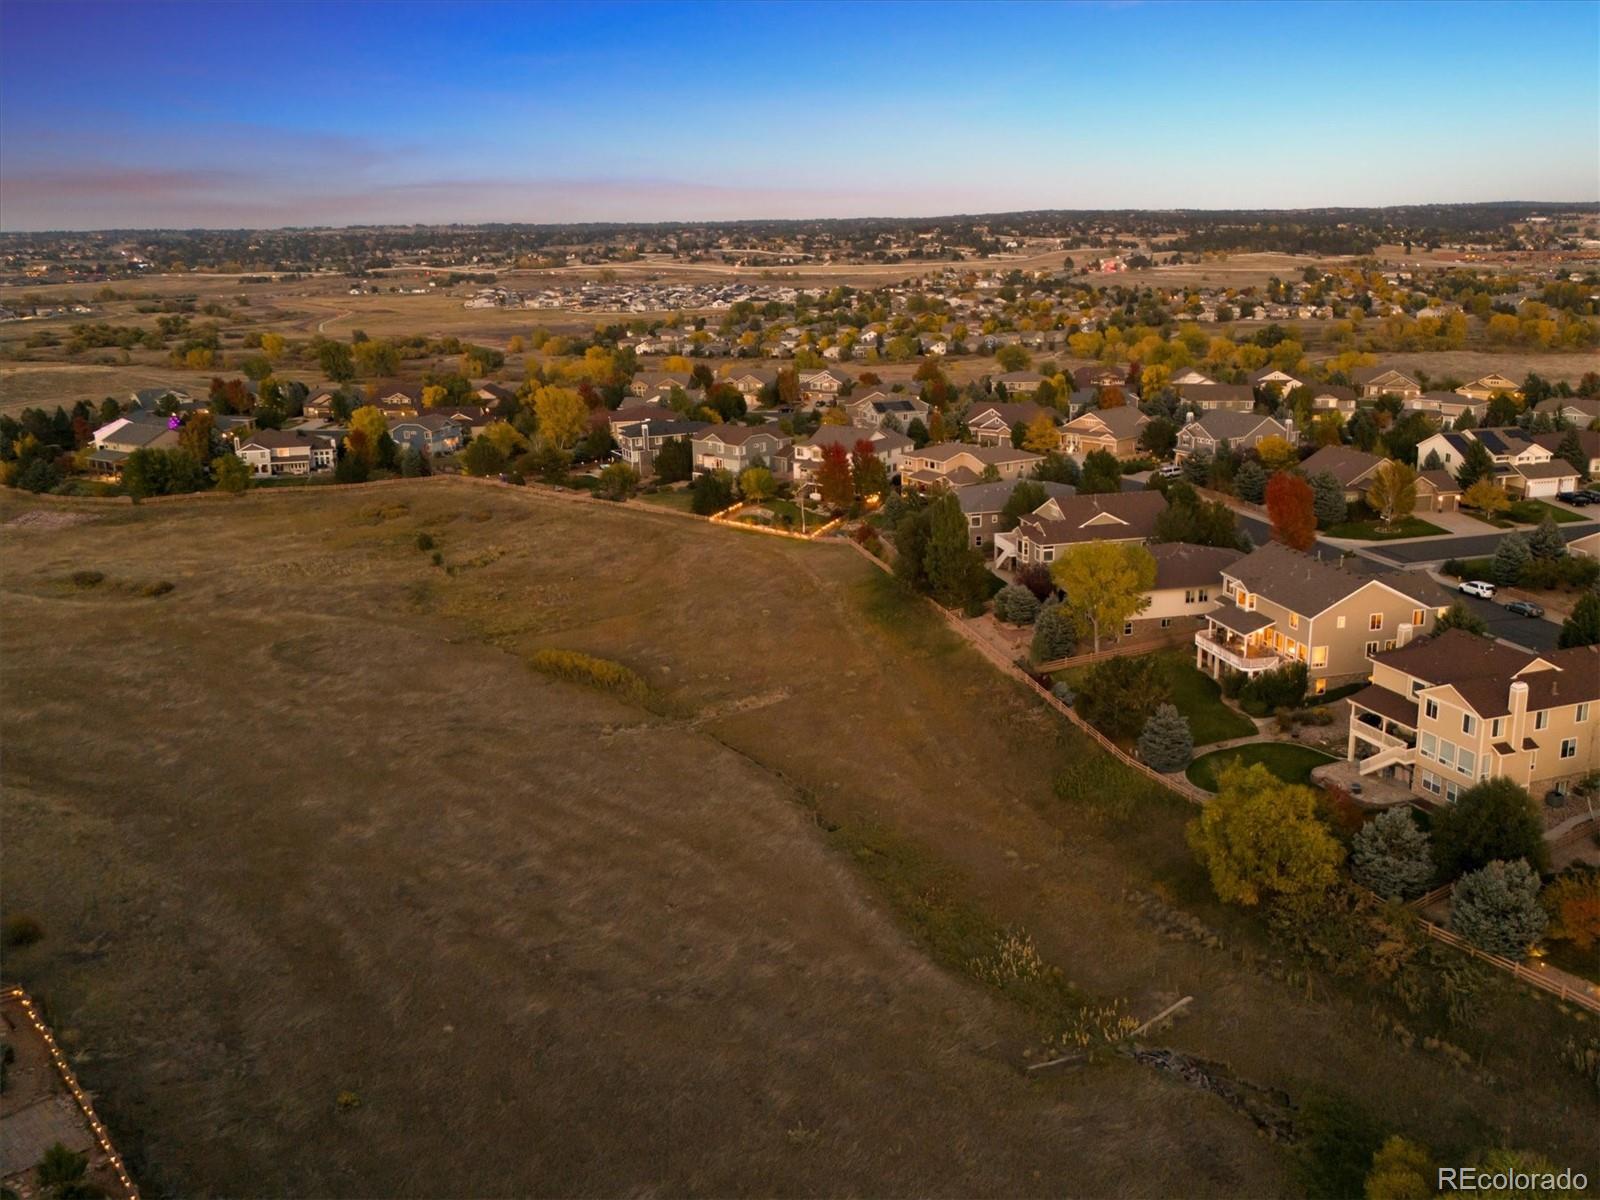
1487 387
1019 383
1188 585
638 442
1437 491
990 422
1353 468
983 504
280 452
1588 446
1373 382
1183 377
891 447
823 387
1448 406
1043 534
1443 713
648 382
1092 378
1332 397
959 463
1282 606
1211 397
1114 429
1240 430
1523 466
1276 377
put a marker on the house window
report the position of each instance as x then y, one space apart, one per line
1389 645
1205 595
1188 596
1469 724
1569 747
1372 648
1166 622
1583 713
1430 782
1339 623
1418 616
1429 746
1541 719
1319 656
1496 726
1451 791
974 521
1294 620
1430 709
1447 753
1375 621
1319 687
1049 554
1416 686
1127 628
1468 763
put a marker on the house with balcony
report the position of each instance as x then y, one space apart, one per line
270 453
1443 713
1059 523
738 447
983 503
639 441
1281 606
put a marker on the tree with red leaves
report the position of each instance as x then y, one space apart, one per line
834 479
1292 506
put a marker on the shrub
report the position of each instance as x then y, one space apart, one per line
1054 635
711 492
1392 856
1401 1170
1120 694
1036 578
1281 687
483 457
1497 908
618 481
1496 820
159 588
21 929
576 667
425 541
1573 904
1166 744
40 475
1016 604
87 579
1339 1144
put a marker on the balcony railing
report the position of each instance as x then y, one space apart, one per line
1238 654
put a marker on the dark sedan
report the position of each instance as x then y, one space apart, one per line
1525 608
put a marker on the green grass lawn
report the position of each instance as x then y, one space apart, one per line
1292 764
787 508
1376 531
1532 512
1199 698
679 498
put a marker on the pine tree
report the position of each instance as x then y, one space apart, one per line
1016 604
1166 744
955 570
1497 908
1391 855
1054 635
1327 499
1571 449
1510 558
1582 628
1250 482
1546 541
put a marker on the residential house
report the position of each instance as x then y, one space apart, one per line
823 387
738 447
878 408
1241 430
1587 546
115 440
1442 714
1282 606
1114 429
1437 491
151 398
1523 466
1581 411
638 441
751 382
320 402
891 447
1183 377
1449 406
1331 397
1274 377
1188 585
274 452
1353 468
1213 397
1042 535
1019 383
431 433
1095 378
495 395
1386 381
959 463
991 422
1489 386
983 503
647 382
1588 446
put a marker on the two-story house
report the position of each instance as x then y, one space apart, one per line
1487 387
1042 535
818 388
1212 397
1282 606
275 452
956 464
891 447
1449 407
430 432
878 408
1113 429
1523 466
638 441
1283 382
1240 430
1354 469
1373 382
1188 585
1443 713
990 422
983 504
738 447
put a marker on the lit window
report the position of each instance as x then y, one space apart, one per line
1418 616
1375 621
1319 687
1319 656
1294 620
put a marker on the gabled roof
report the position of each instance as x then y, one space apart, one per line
738 435
1009 414
1226 426
1123 421
1481 670
988 455
1179 564
1309 585
992 497
1217 393
1116 516
1345 463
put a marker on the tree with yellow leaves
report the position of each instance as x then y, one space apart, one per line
835 416
1487 496
433 395
1393 491
371 424
563 416
1276 453
1260 838
1041 435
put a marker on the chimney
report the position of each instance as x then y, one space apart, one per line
1188 416
1519 712
1404 634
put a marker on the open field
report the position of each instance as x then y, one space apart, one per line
308 823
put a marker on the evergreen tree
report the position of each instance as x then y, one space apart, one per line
1476 464
1510 558
674 461
956 574
1459 616
1016 604
1571 449
1546 541
1391 855
1166 744
1433 462
1250 482
1327 499
1497 908
1054 635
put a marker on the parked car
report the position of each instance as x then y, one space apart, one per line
1577 499
1589 494
1478 587
1170 471
1525 608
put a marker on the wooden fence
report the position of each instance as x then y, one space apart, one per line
1549 980
1164 642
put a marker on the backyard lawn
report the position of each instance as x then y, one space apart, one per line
1199 698
679 498
1376 531
1292 764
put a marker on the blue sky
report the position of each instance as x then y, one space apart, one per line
241 114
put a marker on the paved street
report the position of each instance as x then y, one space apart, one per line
1531 633
1479 545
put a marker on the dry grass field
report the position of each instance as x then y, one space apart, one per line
309 824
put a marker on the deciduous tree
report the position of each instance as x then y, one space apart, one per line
563 415
1291 507
1105 583
1495 819
833 477
1392 494
1260 839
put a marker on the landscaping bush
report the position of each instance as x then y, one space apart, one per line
1016 604
1119 695
1282 687
618 481
1166 744
576 667
1568 572
711 492
1493 821
1392 856
1497 908
1036 578
21 929
87 579
1572 901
